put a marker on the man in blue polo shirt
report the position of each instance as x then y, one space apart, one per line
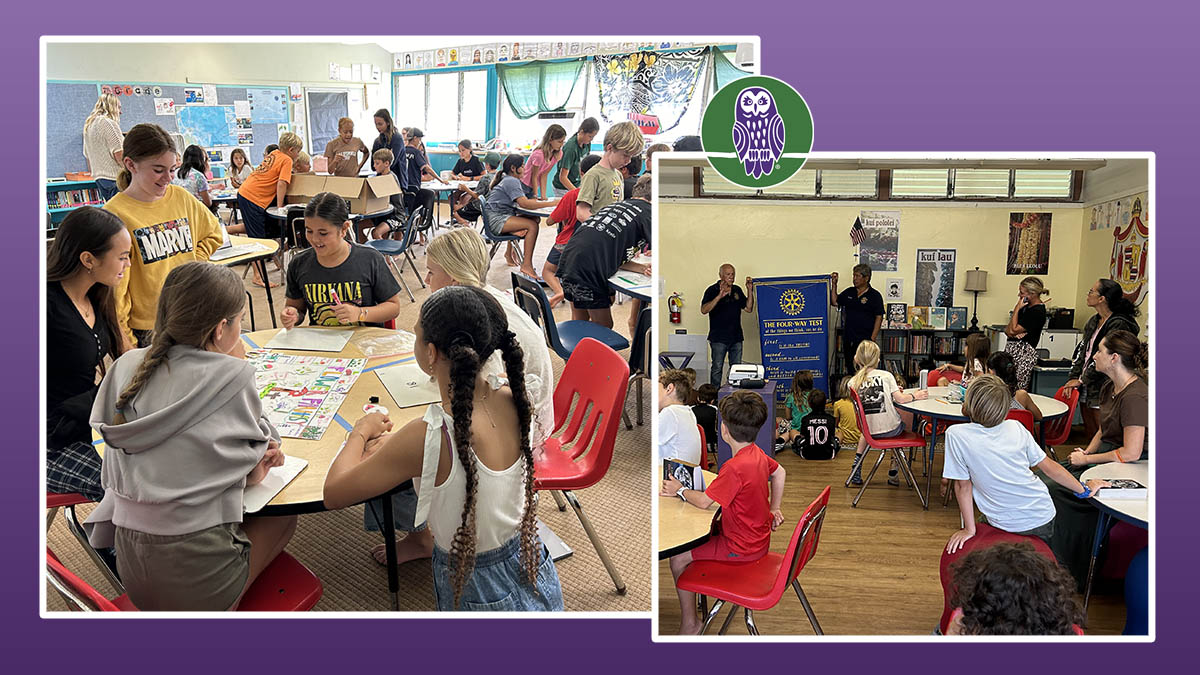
724 303
862 307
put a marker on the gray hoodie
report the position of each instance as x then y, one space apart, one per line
179 464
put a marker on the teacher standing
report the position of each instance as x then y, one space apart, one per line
1024 328
102 141
1113 312
863 309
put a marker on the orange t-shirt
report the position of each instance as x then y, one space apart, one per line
260 186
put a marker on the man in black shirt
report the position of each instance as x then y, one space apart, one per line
724 303
862 307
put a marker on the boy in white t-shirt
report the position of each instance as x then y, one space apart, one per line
678 436
990 458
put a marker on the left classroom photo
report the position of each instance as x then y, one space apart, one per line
285 368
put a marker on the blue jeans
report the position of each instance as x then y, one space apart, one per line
498 582
107 188
719 350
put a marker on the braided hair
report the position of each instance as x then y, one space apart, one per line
467 325
195 298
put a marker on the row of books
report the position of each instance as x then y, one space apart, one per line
900 315
62 199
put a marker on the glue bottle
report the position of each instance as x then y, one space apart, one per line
373 406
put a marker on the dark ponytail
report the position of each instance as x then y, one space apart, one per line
329 207
193 158
511 164
1002 364
1115 298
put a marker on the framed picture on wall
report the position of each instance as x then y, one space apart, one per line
956 318
937 318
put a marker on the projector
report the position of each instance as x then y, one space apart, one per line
746 371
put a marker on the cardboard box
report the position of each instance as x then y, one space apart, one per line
366 195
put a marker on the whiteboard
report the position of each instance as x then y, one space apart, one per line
324 108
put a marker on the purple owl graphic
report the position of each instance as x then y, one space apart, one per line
757 131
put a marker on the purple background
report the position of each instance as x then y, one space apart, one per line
1017 76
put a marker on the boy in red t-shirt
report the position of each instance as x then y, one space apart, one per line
564 215
742 532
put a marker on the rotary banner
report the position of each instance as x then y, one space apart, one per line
793 319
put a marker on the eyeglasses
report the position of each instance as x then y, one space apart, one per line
1092 291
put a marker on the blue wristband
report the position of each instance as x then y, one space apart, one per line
1087 492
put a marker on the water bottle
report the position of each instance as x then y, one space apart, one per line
923 379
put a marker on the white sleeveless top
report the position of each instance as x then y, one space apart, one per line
499 495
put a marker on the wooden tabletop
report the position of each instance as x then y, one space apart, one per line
936 406
269 248
1135 511
305 493
681 526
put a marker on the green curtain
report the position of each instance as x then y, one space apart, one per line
539 86
724 69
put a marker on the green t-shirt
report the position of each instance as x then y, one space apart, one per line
572 154
601 187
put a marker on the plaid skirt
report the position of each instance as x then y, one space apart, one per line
75 468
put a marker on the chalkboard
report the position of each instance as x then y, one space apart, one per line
325 108
69 103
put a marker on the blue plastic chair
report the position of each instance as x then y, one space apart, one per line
1137 595
565 336
496 239
392 249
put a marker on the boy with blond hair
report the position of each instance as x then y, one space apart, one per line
604 184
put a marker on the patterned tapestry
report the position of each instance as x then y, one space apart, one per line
1129 265
648 83
1028 243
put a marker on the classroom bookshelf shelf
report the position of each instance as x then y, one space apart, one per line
63 197
903 350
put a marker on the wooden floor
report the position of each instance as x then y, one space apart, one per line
876 569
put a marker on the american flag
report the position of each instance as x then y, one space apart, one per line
857 233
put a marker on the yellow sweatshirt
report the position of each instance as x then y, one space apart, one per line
847 425
166 233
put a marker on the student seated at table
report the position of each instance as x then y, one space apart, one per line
848 433
749 512
1001 365
393 225
168 226
267 185
977 350
190 175
657 147
816 438
705 410
678 433
473 457
990 458
87 259
1123 437
337 282
346 152
564 216
604 184
879 393
1011 589
600 246
468 206
239 167
269 149
504 195
796 403
186 435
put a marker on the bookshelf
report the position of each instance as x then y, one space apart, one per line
902 350
63 197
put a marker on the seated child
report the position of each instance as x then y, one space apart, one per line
472 455
393 225
1011 589
564 217
505 194
467 168
467 208
1001 365
977 350
848 433
678 435
990 458
797 407
816 438
186 435
879 393
748 512
706 413
601 245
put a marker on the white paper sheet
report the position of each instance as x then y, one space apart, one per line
311 339
257 496
241 108
409 385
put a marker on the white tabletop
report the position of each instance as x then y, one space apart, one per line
436 186
937 405
1136 509
543 212
634 284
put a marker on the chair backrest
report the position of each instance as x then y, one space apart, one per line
639 352
531 298
411 226
861 417
1059 430
1024 417
703 446
77 591
299 238
803 544
592 392
937 373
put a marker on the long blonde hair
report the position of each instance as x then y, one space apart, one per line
867 359
463 254
106 106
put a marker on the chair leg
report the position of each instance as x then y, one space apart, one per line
946 497
400 275
868 480
596 543
562 506
625 419
638 384
709 616
728 619
812 617
857 466
749 613
908 476
80 536
413 264
50 517
250 302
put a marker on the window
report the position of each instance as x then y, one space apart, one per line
1051 183
441 112
410 102
848 182
473 115
981 183
519 132
921 183
802 184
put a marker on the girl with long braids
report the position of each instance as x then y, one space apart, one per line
474 463
186 434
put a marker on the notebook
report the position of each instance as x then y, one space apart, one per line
689 475
257 496
1124 488
409 385
311 339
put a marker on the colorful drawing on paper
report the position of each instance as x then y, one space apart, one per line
301 394
1028 243
1129 264
880 248
1117 212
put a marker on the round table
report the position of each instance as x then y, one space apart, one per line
937 408
681 526
269 247
543 212
1136 512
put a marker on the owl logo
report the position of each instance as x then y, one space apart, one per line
758 131
791 302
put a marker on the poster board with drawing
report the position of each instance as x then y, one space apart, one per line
302 394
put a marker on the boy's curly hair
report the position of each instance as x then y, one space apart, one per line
1011 589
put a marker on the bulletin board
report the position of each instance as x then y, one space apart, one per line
69 103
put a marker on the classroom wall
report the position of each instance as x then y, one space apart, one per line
785 238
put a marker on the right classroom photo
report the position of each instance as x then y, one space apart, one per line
905 396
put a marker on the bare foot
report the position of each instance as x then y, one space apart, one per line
414 546
555 299
259 283
511 259
528 271
691 627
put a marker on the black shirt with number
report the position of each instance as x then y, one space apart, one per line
816 436
74 351
860 312
725 319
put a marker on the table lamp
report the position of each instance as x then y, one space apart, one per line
976 283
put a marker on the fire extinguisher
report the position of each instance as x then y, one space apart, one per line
675 304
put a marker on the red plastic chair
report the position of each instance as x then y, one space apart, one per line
285 585
760 585
1059 430
895 444
390 324
68 501
1024 417
588 401
938 373
703 449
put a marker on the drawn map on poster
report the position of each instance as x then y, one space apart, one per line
207 126
301 394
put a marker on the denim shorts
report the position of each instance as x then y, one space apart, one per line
495 222
555 254
498 582
890 434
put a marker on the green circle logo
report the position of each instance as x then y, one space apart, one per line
757 131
